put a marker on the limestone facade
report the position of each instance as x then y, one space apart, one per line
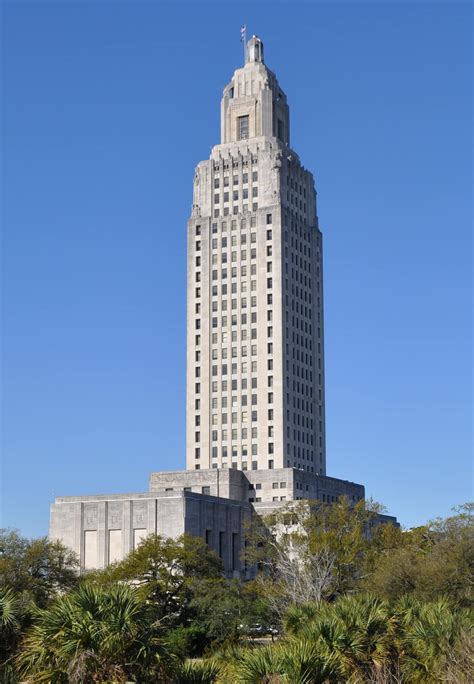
255 330
255 348
103 529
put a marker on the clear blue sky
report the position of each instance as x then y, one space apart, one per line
107 108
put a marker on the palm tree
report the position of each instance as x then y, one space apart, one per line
358 631
297 617
196 672
13 611
94 634
292 661
303 662
432 636
257 666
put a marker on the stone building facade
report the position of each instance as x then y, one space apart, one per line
255 348
255 333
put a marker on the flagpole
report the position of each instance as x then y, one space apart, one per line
243 38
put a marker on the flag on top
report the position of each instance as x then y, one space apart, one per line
243 31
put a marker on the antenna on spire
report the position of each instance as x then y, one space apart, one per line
243 39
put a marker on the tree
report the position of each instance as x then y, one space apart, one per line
224 608
310 551
32 572
429 562
162 570
436 641
39 567
95 634
12 612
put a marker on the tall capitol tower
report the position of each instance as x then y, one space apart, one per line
255 354
255 337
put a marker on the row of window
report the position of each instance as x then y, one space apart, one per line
243 465
234 241
226 257
225 387
235 163
297 203
293 184
235 195
299 262
235 210
258 499
298 229
275 485
235 179
234 224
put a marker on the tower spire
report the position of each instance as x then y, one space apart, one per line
254 50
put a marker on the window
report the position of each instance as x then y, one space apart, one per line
242 127
269 219
281 130
206 490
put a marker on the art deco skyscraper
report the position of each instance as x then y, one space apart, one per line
255 353
255 361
